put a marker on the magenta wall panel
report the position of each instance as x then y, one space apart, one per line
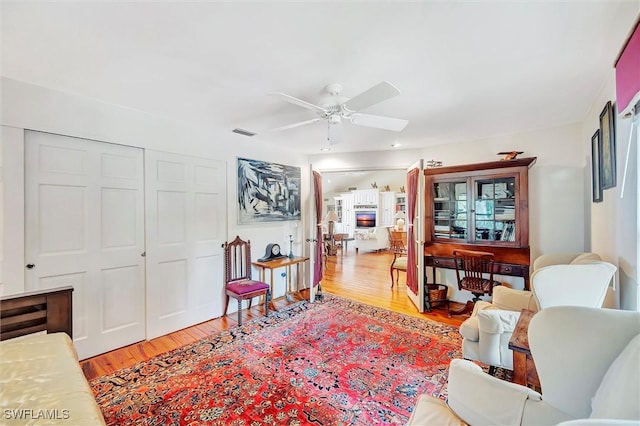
628 72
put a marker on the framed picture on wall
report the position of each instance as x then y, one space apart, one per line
607 147
596 178
267 192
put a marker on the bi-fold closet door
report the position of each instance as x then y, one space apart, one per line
186 227
142 250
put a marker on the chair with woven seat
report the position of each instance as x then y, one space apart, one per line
237 277
471 268
398 246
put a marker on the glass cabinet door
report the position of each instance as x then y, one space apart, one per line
450 210
494 209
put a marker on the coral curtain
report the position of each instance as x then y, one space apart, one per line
317 188
412 190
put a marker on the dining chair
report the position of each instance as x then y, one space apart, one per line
237 277
398 246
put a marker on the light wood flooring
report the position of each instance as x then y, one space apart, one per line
363 277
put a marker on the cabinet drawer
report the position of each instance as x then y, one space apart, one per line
440 262
511 269
499 268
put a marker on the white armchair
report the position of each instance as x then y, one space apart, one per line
573 285
564 259
588 362
577 279
486 333
371 239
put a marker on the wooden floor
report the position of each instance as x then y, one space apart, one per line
363 277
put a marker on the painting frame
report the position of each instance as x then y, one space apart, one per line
596 167
607 147
267 192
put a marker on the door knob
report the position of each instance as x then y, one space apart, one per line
30 265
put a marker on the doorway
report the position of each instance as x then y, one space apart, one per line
341 191
336 182
338 194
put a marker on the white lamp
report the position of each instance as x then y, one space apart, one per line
331 219
399 217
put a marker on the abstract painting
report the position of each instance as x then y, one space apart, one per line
267 191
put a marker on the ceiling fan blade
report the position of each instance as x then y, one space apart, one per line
378 93
336 133
299 102
388 123
291 126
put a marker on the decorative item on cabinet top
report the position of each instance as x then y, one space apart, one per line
510 155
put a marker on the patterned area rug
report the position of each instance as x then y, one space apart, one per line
335 362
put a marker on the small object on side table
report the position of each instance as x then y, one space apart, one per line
290 246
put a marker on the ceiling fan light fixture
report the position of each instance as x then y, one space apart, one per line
334 108
334 89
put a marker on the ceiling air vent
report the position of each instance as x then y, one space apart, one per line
243 132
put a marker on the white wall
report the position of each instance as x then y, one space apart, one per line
360 180
614 226
365 160
560 188
562 216
26 106
557 203
12 230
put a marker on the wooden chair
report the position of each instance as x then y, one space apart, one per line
237 277
338 244
398 246
471 268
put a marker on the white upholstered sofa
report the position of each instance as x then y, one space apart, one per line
588 362
41 381
372 239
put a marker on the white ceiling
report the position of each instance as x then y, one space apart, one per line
466 70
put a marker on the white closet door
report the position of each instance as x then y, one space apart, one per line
186 226
84 227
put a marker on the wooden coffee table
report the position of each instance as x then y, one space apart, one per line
524 370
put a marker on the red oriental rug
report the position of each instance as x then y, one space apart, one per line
335 362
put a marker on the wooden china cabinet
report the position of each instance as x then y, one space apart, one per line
482 206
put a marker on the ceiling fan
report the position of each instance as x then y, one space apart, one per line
336 109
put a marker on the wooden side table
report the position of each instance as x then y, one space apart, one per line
280 263
524 369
